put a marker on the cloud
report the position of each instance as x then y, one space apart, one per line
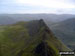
37 6
46 3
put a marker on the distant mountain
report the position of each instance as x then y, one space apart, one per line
52 18
65 30
6 20
31 38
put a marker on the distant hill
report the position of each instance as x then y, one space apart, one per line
31 38
51 18
65 30
6 20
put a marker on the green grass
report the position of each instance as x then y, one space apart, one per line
15 40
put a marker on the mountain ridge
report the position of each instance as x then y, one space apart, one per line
26 39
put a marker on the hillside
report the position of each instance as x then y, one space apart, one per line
65 30
31 38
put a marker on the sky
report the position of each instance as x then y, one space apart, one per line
37 6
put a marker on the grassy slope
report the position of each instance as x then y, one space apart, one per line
17 40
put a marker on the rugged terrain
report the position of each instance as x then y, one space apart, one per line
32 38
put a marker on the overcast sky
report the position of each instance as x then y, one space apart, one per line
37 6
